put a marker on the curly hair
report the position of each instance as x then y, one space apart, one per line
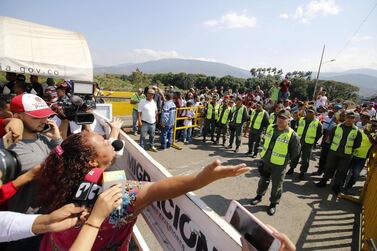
61 175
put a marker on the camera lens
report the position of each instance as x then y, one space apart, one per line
9 165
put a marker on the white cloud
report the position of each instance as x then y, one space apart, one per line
154 55
284 16
359 38
316 8
232 20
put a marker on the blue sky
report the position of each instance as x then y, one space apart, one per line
286 34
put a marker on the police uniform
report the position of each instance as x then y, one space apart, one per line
343 141
278 148
222 123
238 116
212 115
309 131
360 156
258 121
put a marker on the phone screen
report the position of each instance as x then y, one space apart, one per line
251 231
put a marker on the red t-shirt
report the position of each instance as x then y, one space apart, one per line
2 127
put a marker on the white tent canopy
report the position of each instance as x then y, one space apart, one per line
36 49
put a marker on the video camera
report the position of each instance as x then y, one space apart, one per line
78 102
10 166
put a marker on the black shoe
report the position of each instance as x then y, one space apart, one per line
237 149
290 171
204 140
271 209
254 155
336 189
256 200
213 140
248 153
302 176
215 143
322 183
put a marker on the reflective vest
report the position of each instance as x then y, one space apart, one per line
136 97
210 110
258 120
224 118
272 118
338 137
239 114
362 151
311 132
280 151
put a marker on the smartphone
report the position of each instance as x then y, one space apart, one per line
253 230
46 128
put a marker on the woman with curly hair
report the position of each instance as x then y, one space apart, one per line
65 168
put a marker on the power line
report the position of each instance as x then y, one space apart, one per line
356 31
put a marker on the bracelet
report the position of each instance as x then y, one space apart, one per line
91 225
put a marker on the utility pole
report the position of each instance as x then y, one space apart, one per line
319 70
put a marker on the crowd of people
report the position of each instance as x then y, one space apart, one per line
37 212
282 131
54 161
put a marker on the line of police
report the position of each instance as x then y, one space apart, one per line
348 147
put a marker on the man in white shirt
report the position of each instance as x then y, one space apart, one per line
321 100
371 111
147 114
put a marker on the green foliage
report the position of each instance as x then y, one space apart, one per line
302 85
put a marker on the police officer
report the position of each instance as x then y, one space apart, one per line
309 131
344 139
281 144
222 122
212 115
238 116
361 154
258 121
273 115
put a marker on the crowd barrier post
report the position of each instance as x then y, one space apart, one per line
196 119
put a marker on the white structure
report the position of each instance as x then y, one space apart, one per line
31 48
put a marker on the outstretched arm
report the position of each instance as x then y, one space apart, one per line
178 185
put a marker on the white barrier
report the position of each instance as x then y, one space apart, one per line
184 223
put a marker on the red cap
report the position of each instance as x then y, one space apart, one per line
32 105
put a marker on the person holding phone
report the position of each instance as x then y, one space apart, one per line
281 144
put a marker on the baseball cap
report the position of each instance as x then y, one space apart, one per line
350 114
32 105
311 109
284 113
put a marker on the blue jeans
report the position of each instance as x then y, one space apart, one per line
149 129
134 120
166 135
357 164
187 134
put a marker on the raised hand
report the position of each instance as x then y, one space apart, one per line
215 171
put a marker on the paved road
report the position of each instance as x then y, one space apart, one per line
312 218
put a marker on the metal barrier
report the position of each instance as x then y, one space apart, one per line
368 198
196 121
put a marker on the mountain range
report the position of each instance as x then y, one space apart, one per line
364 78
